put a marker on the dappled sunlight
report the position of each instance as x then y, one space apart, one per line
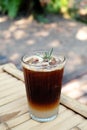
52 25
73 89
18 37
24 21
77 88
54 43
20 22
83 11
18 34
75 94
30 42
13 28
14 56
83 99
71 86
14 32
82 34
42 33
72 24
3 19
76 59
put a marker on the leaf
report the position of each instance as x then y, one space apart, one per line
41 18
13 8
4 5
51 51
47 55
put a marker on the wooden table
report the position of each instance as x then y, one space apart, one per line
14 109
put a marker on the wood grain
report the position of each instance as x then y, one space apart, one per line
65 100
15 72
74 105
14 110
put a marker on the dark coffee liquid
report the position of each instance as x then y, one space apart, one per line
43 88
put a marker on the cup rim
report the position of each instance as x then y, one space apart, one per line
42 51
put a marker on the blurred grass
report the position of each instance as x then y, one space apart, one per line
39 8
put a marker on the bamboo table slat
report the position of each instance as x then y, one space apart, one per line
14 113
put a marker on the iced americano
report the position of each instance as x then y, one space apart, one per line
43 74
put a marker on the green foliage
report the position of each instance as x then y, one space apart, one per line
11 7
41 18
76 14
55 6
73 10
3 5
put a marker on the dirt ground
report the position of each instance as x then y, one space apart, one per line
66 36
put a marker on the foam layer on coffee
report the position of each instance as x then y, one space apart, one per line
37 63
